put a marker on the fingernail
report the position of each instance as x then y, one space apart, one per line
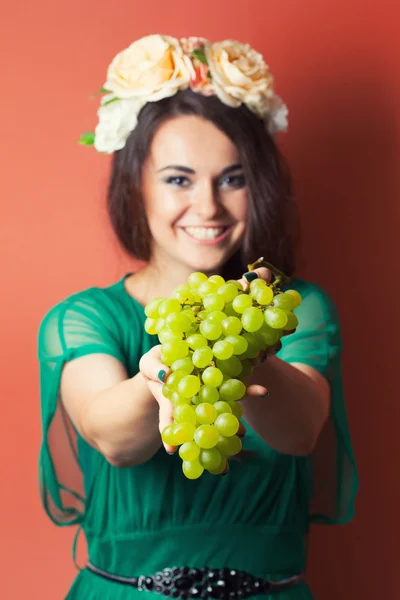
265 358
250 276
161 375
171 453
264 395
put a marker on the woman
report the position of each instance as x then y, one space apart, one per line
197 184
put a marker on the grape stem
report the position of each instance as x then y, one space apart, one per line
279 277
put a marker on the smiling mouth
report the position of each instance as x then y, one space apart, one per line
205 233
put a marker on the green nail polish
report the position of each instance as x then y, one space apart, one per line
250 276
161 375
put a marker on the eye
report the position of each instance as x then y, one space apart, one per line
233 181
178 181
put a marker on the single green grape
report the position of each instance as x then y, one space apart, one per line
264 295
160 325
150 326
222 407
229 446
252 319
231 366
253 348
167 392
168 435
241 302
189 313
213 302
205 413
239 343
292 321
203 314
195 279
212 376
166 335
183 364
267 335
184 414
178 400
296 296
229 310
236 283
257 284
221 468
151 308
169 306
217 279
232 390
226 424
174 378
237 409
228 292
231 326
284 301
206 436
206 288
189 451
208 393
202 357
210 459
189 386
210 329
222 349
192 469
217 315
196 341
175 349
184 296
184 432
275 318
178 322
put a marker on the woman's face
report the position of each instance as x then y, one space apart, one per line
195 195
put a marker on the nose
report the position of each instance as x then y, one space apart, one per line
205 202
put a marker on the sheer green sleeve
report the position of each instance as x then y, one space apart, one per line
318 343
83 324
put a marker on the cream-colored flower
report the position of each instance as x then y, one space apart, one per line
151 68
240 75
116 121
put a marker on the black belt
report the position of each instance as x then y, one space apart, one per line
184 583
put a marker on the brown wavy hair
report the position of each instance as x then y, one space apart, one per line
272 223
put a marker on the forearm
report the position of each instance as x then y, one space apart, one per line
291 417
122 422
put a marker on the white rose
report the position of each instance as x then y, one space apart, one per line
116 121
151 68
240 75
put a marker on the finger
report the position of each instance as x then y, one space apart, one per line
262 357
256 390
152 367
260 273
166 411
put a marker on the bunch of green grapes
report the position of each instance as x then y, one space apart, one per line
210 331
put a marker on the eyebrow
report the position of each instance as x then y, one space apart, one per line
183 169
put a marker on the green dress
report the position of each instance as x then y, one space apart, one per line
142 519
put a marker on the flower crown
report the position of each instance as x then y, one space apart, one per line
158 66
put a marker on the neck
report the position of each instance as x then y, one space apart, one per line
160 278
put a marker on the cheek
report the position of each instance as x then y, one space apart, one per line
163 209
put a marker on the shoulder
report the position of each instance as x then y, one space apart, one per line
87 317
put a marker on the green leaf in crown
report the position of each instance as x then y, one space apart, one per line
200 55
87 138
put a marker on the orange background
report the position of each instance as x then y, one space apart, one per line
337 66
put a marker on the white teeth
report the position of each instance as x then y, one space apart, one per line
205 233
